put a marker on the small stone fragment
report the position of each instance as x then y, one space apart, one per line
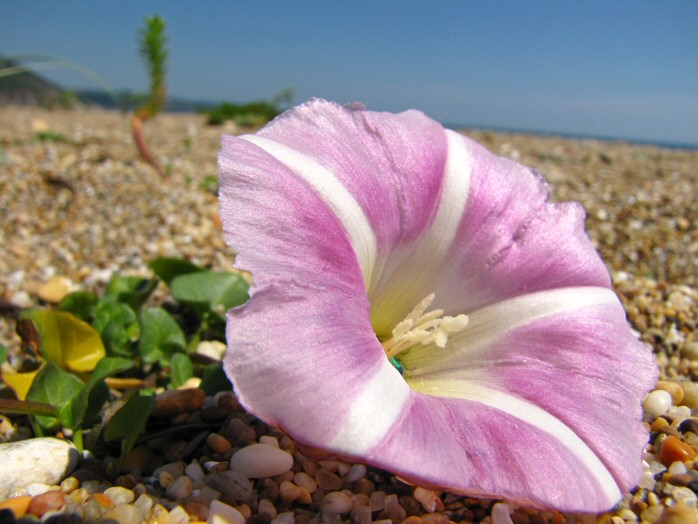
327 480
178 516
194 471
39 460
429 499
18 505
336 502
674 389
674 450
501 515
265 506
221 513
180 488
289 491
122 513
261 460
690 394
119 495
679 514
213 349
287 517
176 401
55 289
40 504
304 480
218 443
657 402
233 484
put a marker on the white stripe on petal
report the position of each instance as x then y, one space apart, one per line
532 415
374 412
334 194
410 272
493 322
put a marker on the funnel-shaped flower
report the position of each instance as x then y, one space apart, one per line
420 306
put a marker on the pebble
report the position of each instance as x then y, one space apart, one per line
674 389
18 505
42 460
429 500
690 394
305 481
176 401
679 514
55 289
289 491
218 443
221 513
180 488
233 484
674 450
336 502
122 514
40 504
213 349
261 460
501 514
657 403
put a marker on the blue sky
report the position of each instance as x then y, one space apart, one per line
625 68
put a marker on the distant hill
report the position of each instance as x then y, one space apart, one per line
27 88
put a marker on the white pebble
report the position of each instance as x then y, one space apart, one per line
260 460
119 495
221 513
657 403
678 414
179 516
194 471
677 468
500 514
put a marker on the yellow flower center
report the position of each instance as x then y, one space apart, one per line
423 327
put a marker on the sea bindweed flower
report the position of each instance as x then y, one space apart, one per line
419 305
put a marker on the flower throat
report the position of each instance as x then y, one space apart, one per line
422 327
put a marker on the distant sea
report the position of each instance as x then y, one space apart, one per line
636 141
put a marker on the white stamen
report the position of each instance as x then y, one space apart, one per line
423 327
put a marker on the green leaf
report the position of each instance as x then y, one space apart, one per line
209 291
129 421
65 339
3 353
182 369
117 323
170 268
133 291
87 404
161 336
80 303
54 386
214 380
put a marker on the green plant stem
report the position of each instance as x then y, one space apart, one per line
25 407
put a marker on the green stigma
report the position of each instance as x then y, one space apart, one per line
398 365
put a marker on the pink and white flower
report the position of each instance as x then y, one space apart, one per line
375 235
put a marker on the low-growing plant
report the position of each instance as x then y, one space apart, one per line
152 44
77 355
251 114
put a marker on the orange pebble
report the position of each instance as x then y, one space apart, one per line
674 450
103 500
18 505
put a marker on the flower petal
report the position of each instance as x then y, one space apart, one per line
566 352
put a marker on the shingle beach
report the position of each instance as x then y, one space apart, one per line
78 206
